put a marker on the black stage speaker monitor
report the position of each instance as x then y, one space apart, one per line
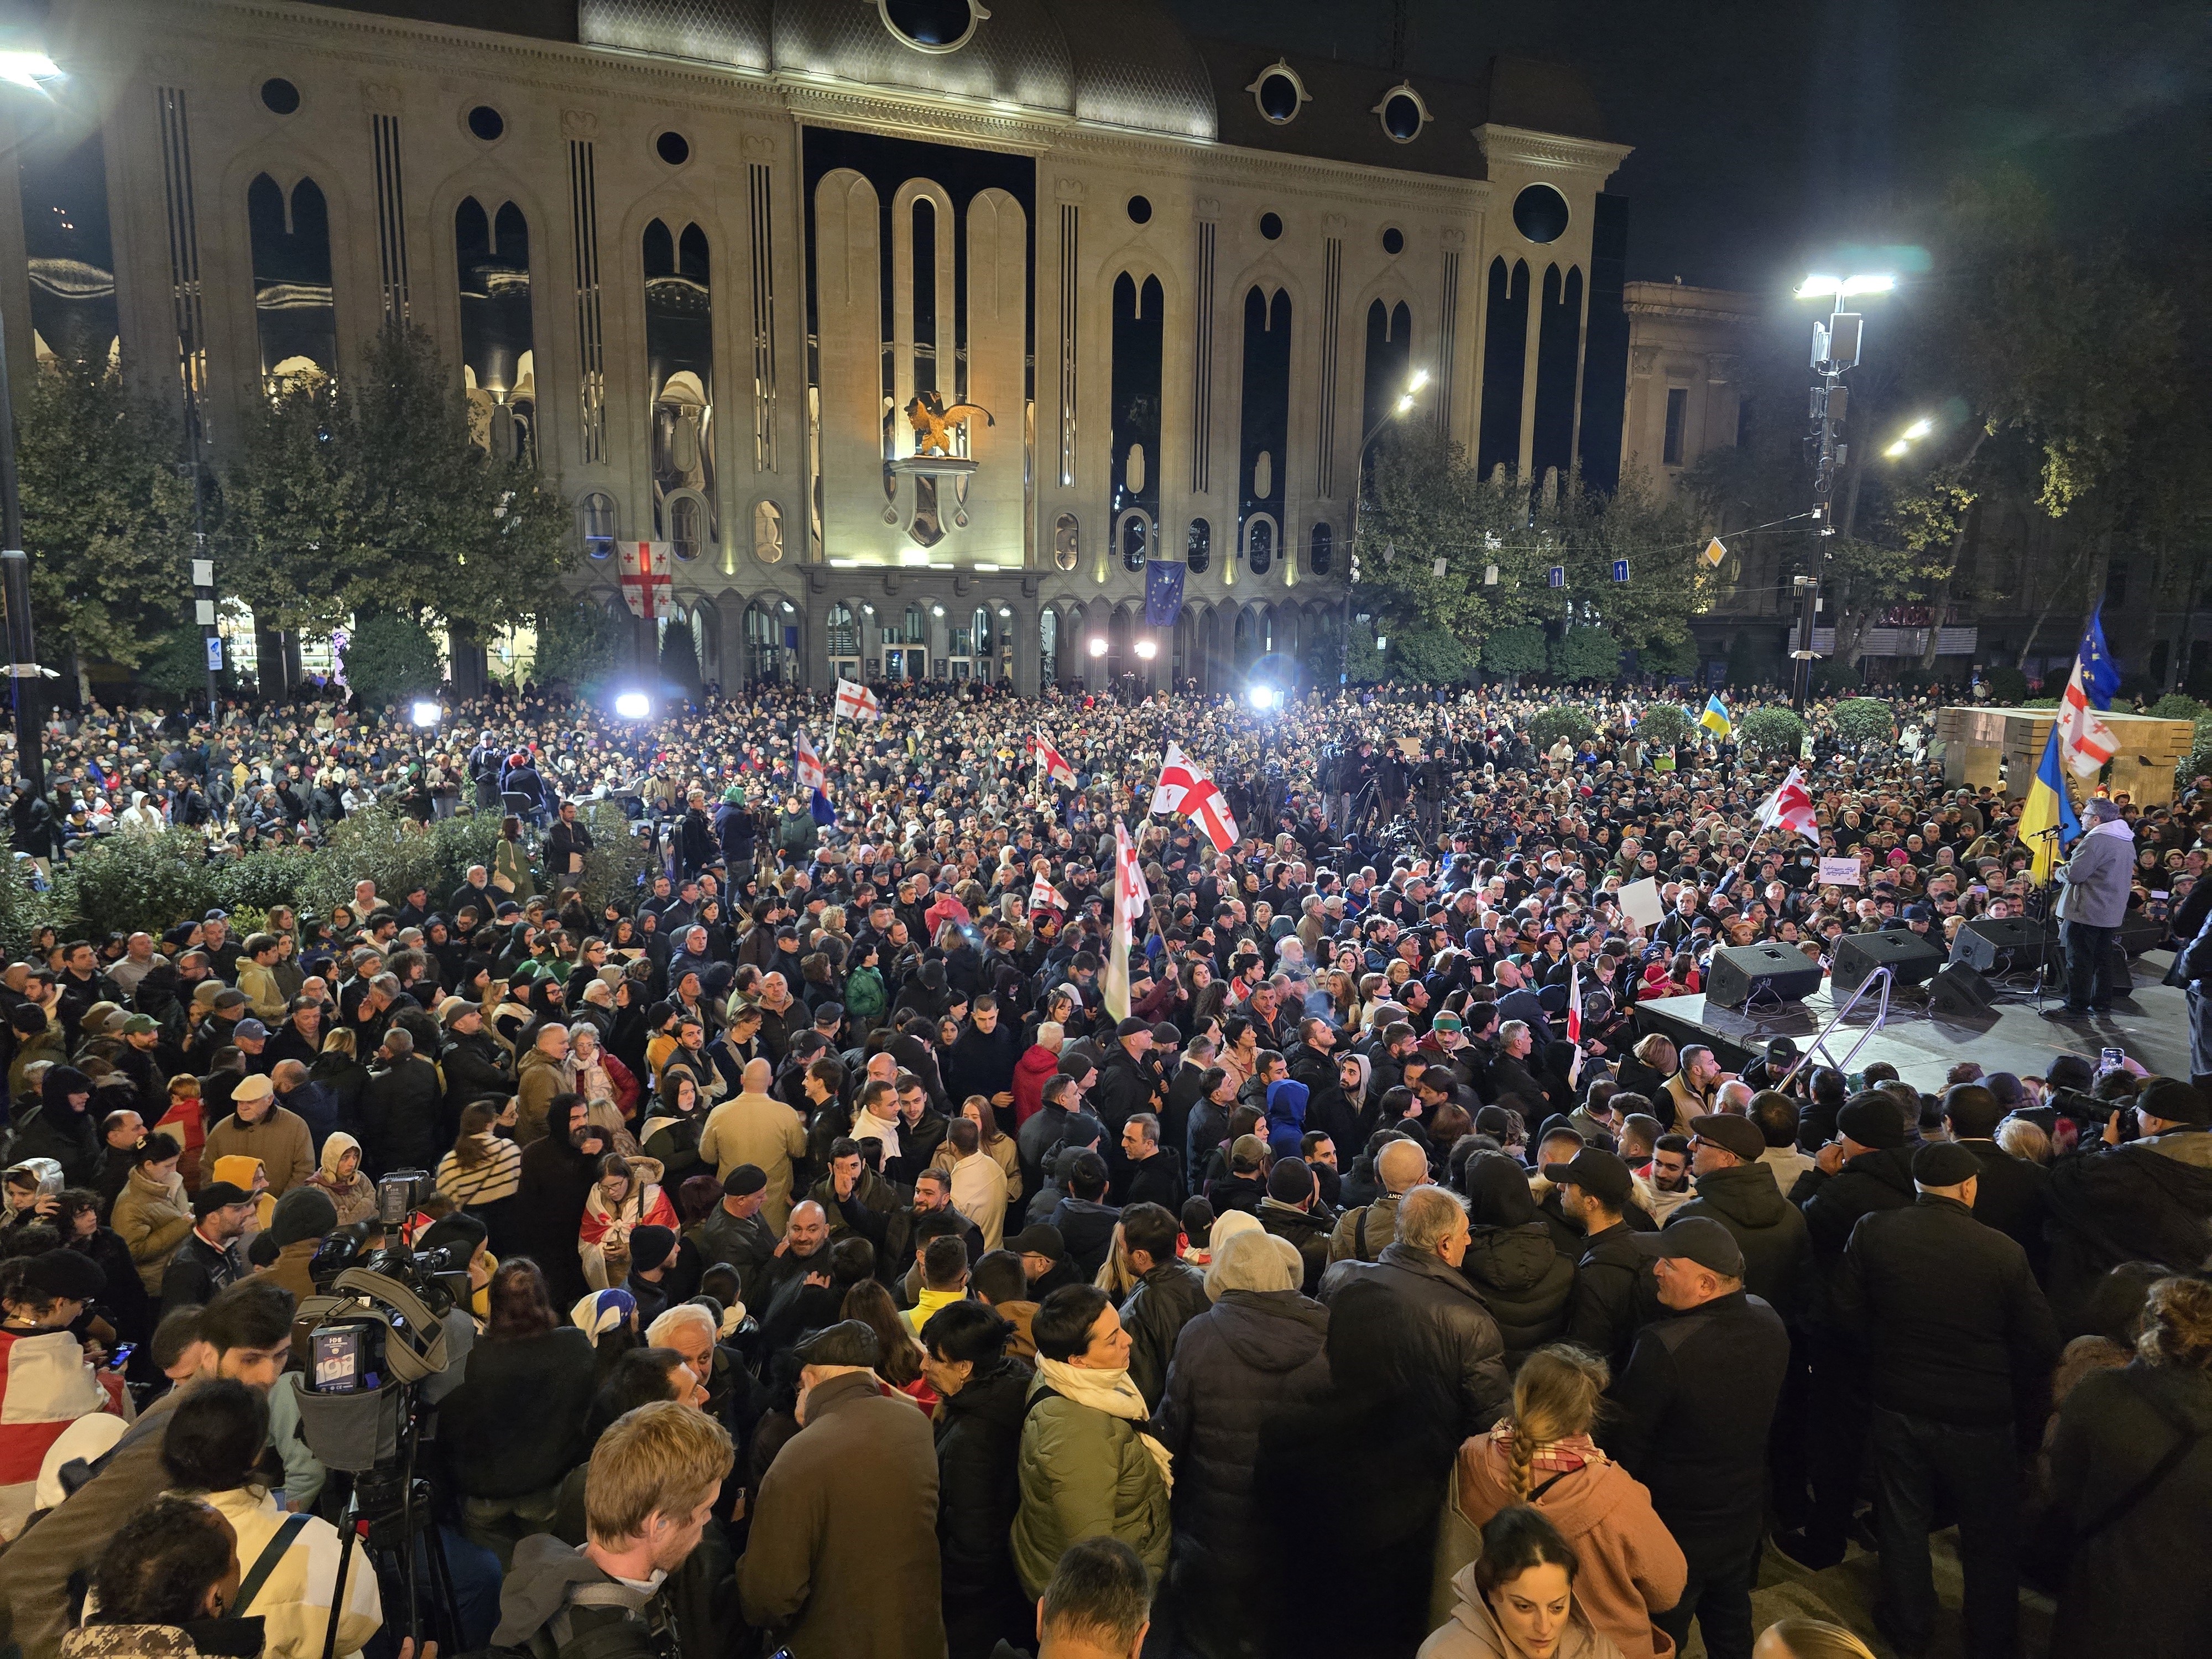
1960 992
1760 973
2012 946
1912 958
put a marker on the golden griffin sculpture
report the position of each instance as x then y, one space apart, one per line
932 422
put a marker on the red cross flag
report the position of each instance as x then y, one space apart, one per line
2086 741
643 572
810 774
855 702
1044 896
1574 1023
1131 897
1055 769
1189 789
1791 808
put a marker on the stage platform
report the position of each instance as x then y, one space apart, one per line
2152 1025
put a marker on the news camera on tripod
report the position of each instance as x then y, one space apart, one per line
385 1341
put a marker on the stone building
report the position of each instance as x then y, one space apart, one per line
917 329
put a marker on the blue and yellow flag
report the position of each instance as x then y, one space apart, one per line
1715 720
2047 807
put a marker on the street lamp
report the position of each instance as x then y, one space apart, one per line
1835 349
425 712
1911 434
1415 383
632 705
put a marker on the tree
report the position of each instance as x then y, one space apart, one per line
1512 651
679 659
580 643
368 496
1585 654
391 658
178 666
1669 659
1775 732
1560 720
1662 725
1755 658
1430 656
1863 720
106 520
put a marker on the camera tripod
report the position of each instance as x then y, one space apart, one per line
388 1511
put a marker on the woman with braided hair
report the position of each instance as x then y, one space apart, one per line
1543 1456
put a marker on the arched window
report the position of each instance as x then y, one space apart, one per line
1048 647
765 656
1323 546
768 533
1197 547
1066 542
1135 538
844 638
70 252
492 252
595 522
679 348
1260 551
293 310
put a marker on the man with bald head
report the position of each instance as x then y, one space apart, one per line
753 1126
1362 1232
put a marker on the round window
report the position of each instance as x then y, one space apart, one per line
1279 97
1402 116
1539 213
672 147
930 25
1140 210
1271 225
1394 241
279 96
486 122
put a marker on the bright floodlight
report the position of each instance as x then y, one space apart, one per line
632 705
1817 287
1881 283
1098 645
1919 428
1404 403
425 712
1147 650
1420 379
26 68
1897 449
1265 698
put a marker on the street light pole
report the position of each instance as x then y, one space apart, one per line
1420 379
15 587
1835 349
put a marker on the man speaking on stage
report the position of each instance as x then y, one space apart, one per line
2096 898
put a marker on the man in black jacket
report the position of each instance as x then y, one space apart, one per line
2011 1194
1293 1210
566 843
2147 1200
1421 1269
1168 1296
980 1060
1867 1168
476 1067
1155 1172
1738 1191
1615 1294
400 1108
1959 1344
1696 1402
204 1263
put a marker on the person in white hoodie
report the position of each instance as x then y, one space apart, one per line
1517 1600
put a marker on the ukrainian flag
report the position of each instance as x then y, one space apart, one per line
2047 804
1716 717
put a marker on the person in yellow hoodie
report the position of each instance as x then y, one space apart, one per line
944 1281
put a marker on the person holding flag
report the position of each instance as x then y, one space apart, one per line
1189 789
1716 719
2098 876
1051 768
813 781
1131 899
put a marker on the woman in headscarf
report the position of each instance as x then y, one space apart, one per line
340 1178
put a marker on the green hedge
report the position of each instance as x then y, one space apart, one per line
1662 723
1560 721
1774 732
1862 720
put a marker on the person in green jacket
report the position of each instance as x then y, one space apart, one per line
1087 1466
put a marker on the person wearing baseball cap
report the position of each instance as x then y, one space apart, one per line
1595 1190
204 1264
1696 1405
1955 1330
1734 1188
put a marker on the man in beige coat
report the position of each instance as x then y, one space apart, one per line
258 1127
754 1127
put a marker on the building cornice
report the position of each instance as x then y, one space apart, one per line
1549 151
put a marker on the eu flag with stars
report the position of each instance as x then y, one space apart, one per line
1163 593
2098 678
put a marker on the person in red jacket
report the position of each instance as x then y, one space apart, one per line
1037 1064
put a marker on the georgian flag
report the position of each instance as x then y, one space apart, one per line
1044 896
1188 788
1131 898
1791 808
1055 769
855 702
1575 1023
2086 741
810 774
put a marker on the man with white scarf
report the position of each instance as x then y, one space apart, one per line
2097 879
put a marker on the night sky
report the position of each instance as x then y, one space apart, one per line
1767 131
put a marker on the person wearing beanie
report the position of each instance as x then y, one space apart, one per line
45 1381
258 1127
1293 1210
737 1233
1955 1332
652 1253
304 1217
1253 1357
2148 1199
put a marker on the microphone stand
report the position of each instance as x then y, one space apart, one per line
2048 971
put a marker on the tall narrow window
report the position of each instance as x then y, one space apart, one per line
1139 338
1323 550
1504 366
1678 414
1267 420
1197 547
292 304
1558 355
492 250
186 301
595 523
679 348
1389 363
70 254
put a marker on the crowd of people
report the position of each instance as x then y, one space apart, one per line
837 1263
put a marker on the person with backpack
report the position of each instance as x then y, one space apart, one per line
648 1499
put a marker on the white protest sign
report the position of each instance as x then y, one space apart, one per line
1639 903
1839 872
